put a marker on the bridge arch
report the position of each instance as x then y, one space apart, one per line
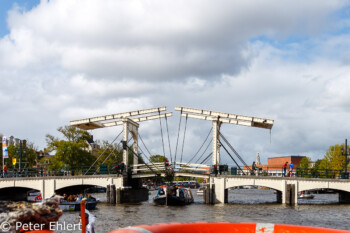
236 182
15 193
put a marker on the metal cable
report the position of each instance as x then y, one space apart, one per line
203 152
231 157
149 159
234 151
206 158
201 145
102 153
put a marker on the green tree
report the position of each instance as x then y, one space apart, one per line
112 153
334 158
158 159
72 152
305 163
303 169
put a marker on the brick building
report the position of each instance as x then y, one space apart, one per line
278 162
274 164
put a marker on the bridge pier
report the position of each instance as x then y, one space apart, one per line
135 193
290 196
279 196
344 197
220 194
48 188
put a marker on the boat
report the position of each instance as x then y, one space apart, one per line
34 196
200 191
173 196
305 195
74 206
215 227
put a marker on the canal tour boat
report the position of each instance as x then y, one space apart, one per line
75 206
173 196
305 195
34 196
200 191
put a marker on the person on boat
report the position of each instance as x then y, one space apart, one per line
90 198
161 191
65 197
284 169
81 196
181 193
71 198
89 222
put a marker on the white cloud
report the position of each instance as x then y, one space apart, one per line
66 60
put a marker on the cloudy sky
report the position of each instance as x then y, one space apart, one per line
62 60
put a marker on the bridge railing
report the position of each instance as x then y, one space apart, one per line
179 167
42 172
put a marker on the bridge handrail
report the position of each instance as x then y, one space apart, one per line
110 169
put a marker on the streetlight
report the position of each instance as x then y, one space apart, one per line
345 153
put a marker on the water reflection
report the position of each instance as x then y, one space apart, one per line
246 205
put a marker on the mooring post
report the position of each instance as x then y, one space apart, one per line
113 193
119 196
108 195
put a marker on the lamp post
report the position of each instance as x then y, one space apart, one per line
345 153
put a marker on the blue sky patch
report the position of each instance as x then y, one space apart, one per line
6 5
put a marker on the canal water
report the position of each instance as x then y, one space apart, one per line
245 205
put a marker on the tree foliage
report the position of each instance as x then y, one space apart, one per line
108 153
72 152
28 159
158 159
305 163
334 158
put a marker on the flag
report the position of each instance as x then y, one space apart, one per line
5 153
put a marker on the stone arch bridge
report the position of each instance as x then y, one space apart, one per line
287 187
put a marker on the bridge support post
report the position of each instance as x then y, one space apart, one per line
220 190
132 127
216 142
290 195
279 196
48 189
344 197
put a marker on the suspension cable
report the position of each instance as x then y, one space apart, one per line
231 157
206 158
102 153
110 153
167 129
234 151
144 145
183 141
201 146
178 134
203 152
141 157
149 159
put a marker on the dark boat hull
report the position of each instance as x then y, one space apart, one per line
76 206
172 201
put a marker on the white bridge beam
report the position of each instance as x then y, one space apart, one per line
220 117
